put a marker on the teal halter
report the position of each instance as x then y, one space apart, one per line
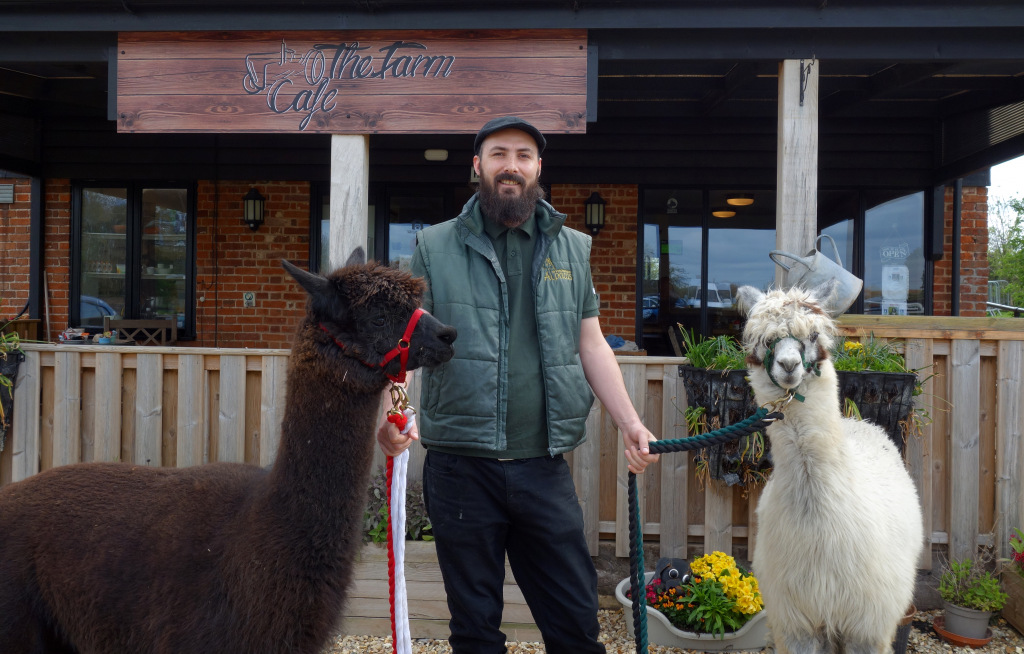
769 362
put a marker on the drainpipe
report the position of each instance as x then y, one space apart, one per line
958 190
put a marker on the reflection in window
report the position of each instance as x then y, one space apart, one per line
894 257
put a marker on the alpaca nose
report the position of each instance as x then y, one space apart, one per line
789 365
448 335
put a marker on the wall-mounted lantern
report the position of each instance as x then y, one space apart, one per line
595 212
252 209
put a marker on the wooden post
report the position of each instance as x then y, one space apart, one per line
796 204
350 180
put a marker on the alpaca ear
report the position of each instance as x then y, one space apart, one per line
825 295
357 258
746 298
315 285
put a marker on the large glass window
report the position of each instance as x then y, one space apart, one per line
684 288
134 255
894 256
671 265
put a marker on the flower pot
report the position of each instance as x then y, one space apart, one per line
965 622
751 636
1013 610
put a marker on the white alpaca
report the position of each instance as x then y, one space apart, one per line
839 521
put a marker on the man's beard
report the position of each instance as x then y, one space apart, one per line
509 209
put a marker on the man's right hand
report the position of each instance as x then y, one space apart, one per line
392 441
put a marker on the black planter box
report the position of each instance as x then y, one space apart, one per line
883 398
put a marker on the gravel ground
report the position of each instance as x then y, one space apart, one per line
923 640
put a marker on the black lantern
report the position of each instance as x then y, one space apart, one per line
595 212
252 209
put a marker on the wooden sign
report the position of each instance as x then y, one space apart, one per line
361 82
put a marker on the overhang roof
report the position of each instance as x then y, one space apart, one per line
910 92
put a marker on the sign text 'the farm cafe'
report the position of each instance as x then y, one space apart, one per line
352 82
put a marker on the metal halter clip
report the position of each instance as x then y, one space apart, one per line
399 398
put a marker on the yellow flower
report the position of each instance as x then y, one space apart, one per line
851 346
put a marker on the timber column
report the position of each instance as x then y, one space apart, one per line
350 181
796 204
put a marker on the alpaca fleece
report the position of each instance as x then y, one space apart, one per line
221 558
840 529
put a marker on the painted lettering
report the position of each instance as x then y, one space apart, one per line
303 84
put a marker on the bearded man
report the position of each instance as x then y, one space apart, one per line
497 418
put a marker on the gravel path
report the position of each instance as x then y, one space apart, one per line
923 640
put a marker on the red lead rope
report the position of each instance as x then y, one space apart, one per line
401 350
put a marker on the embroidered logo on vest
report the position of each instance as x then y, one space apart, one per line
553 274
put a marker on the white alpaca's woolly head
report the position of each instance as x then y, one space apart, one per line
789 328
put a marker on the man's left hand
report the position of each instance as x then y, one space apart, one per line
638 454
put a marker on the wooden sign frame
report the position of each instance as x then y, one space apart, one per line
350 82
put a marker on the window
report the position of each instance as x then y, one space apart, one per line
693 261
133 254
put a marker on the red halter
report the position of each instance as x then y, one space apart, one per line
401 350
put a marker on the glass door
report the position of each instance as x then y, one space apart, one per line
133 256
104 255
163 257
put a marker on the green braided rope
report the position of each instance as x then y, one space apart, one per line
637 578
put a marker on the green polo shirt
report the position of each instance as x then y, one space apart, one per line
525 432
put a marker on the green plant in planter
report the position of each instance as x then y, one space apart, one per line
10 355
375 517
715 353
968 584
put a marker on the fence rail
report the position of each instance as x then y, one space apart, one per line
175 406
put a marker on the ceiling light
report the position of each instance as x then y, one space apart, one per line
435 154
740 199
723 212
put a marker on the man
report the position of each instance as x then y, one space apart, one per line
497 418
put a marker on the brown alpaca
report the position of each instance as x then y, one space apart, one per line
222 558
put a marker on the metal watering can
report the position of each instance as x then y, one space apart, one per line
815 269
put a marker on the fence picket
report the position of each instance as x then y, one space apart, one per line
67 429
107 419
192 417
965 449
1009 443
230 418
24 436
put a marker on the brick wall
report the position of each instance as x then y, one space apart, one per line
57 255
15 220
613 257
232 259
973 252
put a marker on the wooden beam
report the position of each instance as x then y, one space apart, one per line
797 173
350 181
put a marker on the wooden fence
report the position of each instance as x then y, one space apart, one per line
175 406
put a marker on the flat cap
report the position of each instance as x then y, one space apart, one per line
508 122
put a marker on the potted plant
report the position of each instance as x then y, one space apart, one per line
970 594
717 607
1013 582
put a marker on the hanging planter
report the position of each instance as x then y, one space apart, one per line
9 370
725 398
883 398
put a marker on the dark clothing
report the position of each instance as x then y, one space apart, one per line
480 509
496 418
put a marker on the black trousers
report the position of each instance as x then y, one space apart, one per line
482 509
